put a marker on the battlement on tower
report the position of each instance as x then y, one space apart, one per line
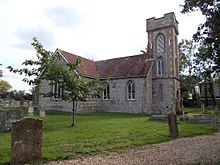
167 20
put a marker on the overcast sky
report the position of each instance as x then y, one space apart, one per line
95 29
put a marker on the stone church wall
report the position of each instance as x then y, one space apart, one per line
49 103
164 95
118 101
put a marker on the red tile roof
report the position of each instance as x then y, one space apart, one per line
88 67
131 66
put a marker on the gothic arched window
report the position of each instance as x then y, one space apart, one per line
106 93
160 66
130 90
160 43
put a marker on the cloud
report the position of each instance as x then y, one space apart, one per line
64 16
26 34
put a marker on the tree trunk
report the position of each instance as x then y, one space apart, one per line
74 119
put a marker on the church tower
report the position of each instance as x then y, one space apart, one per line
163 48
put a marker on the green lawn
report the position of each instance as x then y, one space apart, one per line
99 133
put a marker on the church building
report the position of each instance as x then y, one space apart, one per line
144 83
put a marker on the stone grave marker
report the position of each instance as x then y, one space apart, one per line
172 122
26 141
42 112
213 122
203 106
8 117
31 111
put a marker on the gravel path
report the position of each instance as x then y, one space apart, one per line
199 149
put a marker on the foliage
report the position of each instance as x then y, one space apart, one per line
208 33
16 95
188 79
187 87
4 86
209 87
187 50
98 133
42 64
75 86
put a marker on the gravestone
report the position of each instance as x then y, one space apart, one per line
202 118
158 118
172 122
8 117
202 106
26 141
42 112
31 111
214 122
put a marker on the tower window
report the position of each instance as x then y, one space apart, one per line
131 90
106 93
160 43
160 66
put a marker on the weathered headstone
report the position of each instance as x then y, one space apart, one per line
202 118
15 103
26 141
214 122
42 112
172 122
158 118
8 117
202 106
31 111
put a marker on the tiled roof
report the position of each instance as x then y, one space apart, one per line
88 67
130 66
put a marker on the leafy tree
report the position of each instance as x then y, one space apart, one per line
187 87
208 87
208 33
4 86
16 95
187 50
74 85
188 78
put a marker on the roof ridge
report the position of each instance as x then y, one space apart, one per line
122 57
76 55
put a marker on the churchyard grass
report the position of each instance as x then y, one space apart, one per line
99 133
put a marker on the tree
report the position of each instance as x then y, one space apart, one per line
188 77
74 85
4 86
208 33
187 87
187 50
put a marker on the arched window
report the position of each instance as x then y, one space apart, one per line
56 90
160 66
106 93
160 43
131 90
